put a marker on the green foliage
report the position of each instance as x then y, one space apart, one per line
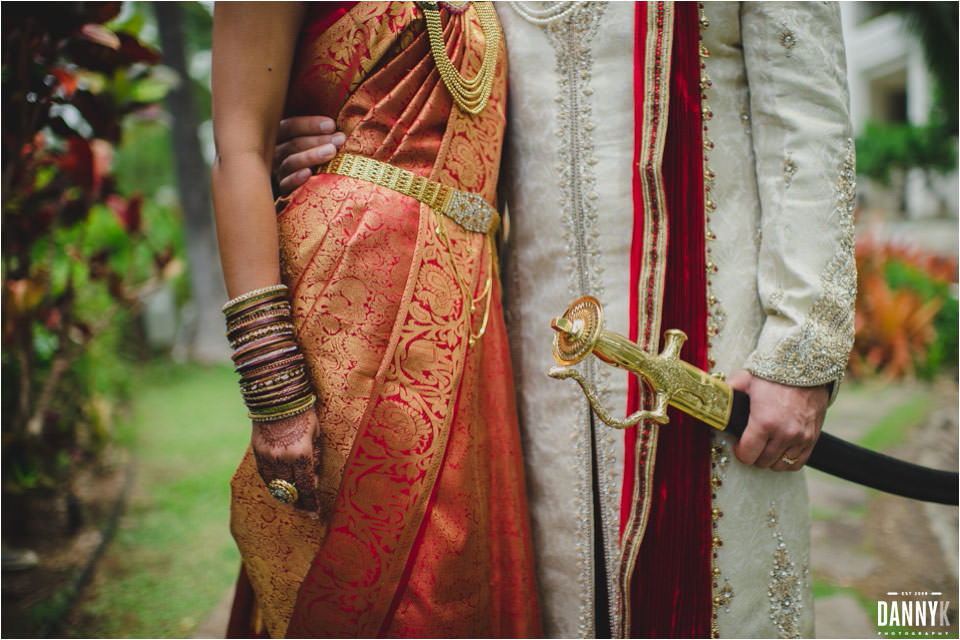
935 26
884 148
78 252
906 311
823 589
198 36
50 609
145 163
894 427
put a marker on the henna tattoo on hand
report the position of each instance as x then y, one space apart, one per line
303 472
304 477
283 433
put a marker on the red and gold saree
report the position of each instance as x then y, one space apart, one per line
423 529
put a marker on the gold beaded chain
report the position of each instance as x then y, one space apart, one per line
469 302
470 95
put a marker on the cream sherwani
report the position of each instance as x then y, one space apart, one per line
780 172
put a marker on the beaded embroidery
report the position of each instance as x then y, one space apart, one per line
570 28
818 353
785 589
789 170
787 40
745 118
722 593
716 317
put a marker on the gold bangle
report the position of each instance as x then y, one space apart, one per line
255 294
276 310
263 417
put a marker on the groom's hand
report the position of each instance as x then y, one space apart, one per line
303 143
784 422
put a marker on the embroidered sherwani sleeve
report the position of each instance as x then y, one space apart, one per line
799 112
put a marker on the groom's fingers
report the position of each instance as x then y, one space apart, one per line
299 126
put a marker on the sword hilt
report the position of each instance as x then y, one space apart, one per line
673 382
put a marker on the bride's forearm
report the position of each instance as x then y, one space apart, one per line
246 223
253 45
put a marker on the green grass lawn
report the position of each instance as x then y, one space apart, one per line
173 558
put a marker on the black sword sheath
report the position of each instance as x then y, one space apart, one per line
863 466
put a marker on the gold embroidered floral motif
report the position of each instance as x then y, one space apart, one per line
786 583
818 352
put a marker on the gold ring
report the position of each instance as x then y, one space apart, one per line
789 461
283 491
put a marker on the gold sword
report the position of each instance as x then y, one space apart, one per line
580 332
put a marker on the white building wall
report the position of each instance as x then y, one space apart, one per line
882 53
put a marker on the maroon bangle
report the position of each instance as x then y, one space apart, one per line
268 369
259 345
245 322
260 360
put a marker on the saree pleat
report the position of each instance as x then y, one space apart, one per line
446 553
419 439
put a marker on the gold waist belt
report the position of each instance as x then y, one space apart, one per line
468 210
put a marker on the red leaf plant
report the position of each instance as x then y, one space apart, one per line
66 80
894 326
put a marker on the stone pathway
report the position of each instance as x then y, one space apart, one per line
215 626
866 543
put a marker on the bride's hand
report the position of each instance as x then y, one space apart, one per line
288 450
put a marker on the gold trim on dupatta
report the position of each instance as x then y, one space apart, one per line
658 45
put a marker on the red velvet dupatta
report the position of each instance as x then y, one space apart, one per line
666 530
424 525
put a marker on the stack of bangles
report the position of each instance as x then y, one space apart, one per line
273 379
